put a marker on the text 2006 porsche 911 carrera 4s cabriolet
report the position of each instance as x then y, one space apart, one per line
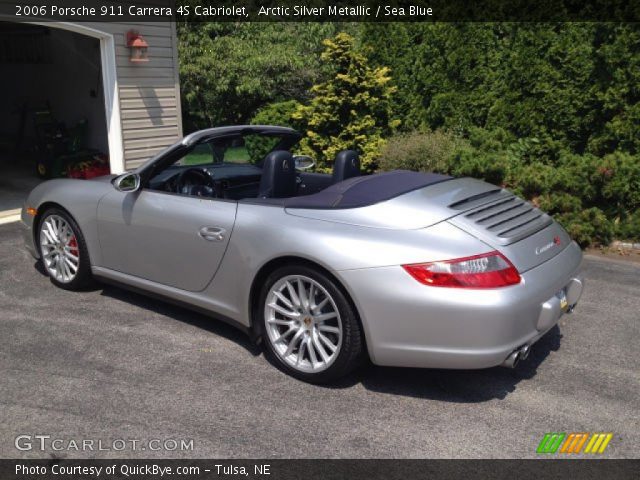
413 269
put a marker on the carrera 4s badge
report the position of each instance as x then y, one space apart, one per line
554 243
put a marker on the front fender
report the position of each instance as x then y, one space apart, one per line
78 197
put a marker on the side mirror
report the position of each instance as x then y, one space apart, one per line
127 182
303 162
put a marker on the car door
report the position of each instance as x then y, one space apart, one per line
167 238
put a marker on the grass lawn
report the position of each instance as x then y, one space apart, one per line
231 155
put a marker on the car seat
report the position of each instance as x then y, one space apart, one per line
346 165
278 176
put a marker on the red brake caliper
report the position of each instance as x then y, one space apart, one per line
73 246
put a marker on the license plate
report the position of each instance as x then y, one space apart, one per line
562 295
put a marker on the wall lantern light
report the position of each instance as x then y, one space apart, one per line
137 47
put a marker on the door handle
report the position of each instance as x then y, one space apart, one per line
213 234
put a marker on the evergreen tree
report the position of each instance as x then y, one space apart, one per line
351 110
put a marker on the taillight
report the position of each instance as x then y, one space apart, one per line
489 270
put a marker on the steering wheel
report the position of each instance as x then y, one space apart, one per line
196 182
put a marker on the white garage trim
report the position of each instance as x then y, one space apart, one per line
109 85
9 216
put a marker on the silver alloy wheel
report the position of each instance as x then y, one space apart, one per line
303 323
59 248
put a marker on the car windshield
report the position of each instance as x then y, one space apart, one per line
238 149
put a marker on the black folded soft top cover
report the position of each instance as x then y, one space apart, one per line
366 190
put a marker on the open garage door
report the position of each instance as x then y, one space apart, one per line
53 119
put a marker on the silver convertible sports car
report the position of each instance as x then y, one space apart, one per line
411 269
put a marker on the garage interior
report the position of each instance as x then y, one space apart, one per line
52 116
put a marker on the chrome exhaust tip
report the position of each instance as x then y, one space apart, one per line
514 357
512 360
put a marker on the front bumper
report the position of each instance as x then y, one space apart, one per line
26 229
408 324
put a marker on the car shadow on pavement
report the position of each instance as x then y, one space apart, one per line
209 323
458 386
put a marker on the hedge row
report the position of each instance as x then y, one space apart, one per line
596 198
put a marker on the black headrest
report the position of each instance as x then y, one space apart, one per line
278 176
346 165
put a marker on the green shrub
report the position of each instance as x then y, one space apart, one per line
629 229
531 180
277 114
420 151
557 203
587 226
492 167
619 175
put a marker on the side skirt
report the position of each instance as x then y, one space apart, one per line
167 294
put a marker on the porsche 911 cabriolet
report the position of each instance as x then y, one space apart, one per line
408 269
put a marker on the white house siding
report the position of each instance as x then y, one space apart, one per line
149 92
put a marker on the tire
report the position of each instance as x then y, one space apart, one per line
63 240
44 168
327 325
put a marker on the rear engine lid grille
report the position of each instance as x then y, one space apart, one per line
479 199
501 216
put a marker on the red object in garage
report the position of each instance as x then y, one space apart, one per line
94 167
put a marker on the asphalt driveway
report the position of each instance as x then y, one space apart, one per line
108 364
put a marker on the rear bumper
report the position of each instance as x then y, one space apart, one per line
408 324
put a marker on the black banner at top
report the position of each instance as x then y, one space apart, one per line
317 11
